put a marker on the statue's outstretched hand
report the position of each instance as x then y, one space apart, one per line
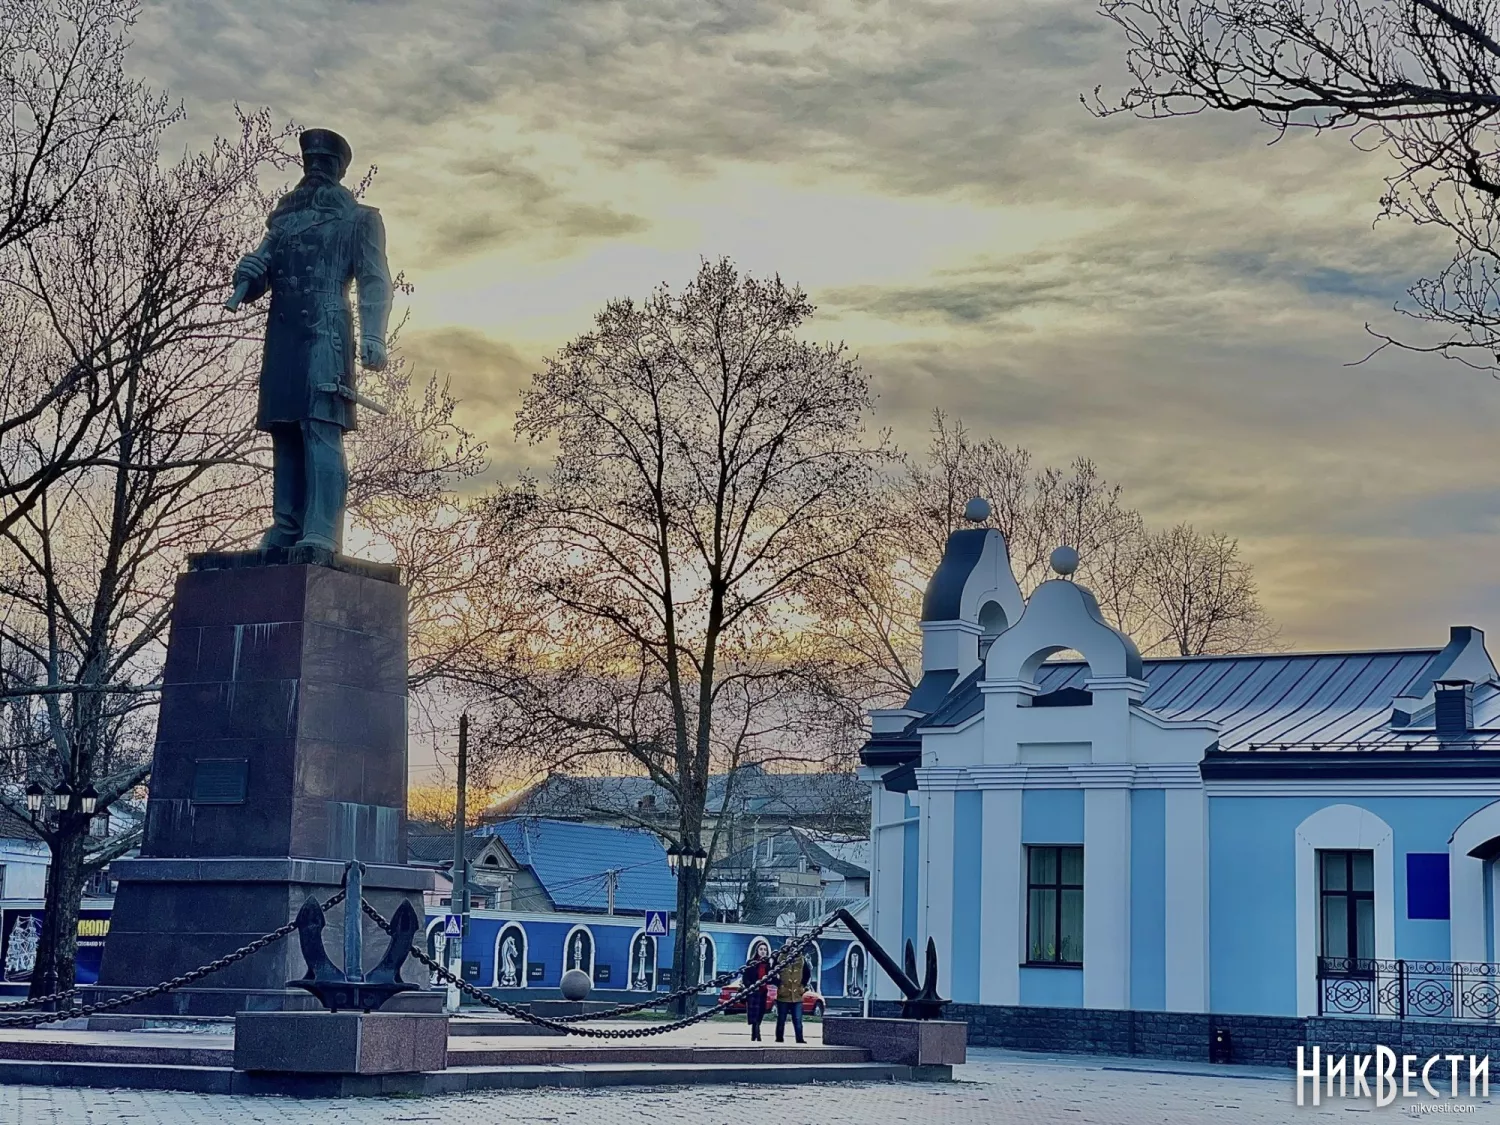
252 268
372 354
251 271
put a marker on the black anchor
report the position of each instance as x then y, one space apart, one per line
342 989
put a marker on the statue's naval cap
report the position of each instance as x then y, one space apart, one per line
327 143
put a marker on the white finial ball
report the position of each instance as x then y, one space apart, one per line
1064 561
977 510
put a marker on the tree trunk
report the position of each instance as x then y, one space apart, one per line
685 949
57 951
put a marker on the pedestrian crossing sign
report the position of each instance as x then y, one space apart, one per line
453 925
656 923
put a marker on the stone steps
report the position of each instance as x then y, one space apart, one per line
461 1054
117 1053
468 1026
456 1079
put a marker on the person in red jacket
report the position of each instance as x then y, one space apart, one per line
753 982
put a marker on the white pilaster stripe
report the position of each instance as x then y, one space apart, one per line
1106 898
1002 899
1187 901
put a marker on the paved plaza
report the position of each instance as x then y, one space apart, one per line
994 1088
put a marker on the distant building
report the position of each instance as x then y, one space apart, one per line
496 881
586 868
747 806
1233 839
24 859
799 872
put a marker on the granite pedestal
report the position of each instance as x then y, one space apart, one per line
909 1042
280 754
340 1042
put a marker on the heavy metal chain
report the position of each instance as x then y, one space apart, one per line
37 1018
569 1025
659 1001
39 1000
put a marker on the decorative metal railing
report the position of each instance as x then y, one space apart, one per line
1443 990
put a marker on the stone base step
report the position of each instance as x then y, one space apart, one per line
461 1053
123 1054
467 1026
468 1052
223 1080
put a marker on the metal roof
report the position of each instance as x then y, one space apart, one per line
755 791
1270 698
570 860
945 590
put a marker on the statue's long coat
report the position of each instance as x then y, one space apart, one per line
313 253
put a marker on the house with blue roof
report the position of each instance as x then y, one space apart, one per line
587 868
1169 851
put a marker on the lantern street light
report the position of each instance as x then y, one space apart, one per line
674 858
62 801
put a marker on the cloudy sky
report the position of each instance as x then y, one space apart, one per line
1177 300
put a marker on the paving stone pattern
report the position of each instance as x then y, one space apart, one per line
993 1089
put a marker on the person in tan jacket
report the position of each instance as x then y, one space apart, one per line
791 986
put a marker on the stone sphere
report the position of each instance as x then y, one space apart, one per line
575 984
977 510
1065 561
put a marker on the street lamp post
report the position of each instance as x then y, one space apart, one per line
51 809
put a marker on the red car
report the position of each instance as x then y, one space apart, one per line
812 1001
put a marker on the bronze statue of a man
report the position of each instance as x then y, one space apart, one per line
318 241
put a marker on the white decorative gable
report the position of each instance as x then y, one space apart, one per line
972 598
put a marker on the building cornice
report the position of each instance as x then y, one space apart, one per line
1072 775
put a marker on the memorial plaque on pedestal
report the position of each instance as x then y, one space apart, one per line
280 754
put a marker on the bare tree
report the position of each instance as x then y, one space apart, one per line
1178 590
1419 79
416 497
69 120
1200 595
131 273
709 464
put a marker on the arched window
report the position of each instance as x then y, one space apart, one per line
642 962
813 955
437 947
1330 844
1473 877
992 622
510 956
854 970
578 950
708 957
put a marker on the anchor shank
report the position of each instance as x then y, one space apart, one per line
354 953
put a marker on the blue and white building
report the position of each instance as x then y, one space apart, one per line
1264 835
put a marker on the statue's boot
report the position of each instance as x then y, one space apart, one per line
289 467
275 536
325 484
